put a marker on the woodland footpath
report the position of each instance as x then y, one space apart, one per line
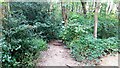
86 33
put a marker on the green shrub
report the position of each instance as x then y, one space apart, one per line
78 36
107 24
73 31
39 44
21 41
46 23
22 52
89 48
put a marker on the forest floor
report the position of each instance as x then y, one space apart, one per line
59 56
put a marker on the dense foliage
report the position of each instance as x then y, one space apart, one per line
26 28
39 16
107 24
89 48
78 36
73 31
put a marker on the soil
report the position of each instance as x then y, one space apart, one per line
110 60
57 55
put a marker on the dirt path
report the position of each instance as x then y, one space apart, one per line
109 60
59 56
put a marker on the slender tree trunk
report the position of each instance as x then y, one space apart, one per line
79 9
119 20
64 13
93 6
50 7
1 34
72 6
84 7
99 7
96 20
1 16
109 6
1 12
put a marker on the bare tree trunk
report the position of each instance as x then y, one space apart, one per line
93 3
93 6
119 20
99 7
109 6
79 9
51 6
84 7
64 13
1 34
72 6
96 20
1 16
1 12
